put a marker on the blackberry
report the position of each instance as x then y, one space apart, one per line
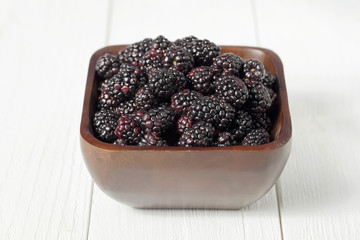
150 139
270 81
179 59
244 123
203 51
259 98
212 110
184 122
134 52
157 120
224 139
256 137
232 89
182 100
199 135
201 79
122 85
120 142
273 96
106 101
127 129
107 65
227 63
151 59
165 82
104 123
254 72
261 120
145 98
183 42
126 108
160 43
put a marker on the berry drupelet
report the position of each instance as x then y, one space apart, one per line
107 65
127 129
184 122
228 63
232 89
256 137
199 135
182 100
254 72
201 79
179 59
104 123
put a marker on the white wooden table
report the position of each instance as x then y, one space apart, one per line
46 191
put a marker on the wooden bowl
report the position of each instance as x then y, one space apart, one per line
179 177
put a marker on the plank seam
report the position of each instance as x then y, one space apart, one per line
279 212
255 19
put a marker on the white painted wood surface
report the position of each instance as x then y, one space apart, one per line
45 189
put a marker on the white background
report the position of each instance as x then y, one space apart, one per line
46 191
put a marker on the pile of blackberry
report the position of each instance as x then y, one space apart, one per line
184 93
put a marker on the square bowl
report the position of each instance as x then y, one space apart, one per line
178 177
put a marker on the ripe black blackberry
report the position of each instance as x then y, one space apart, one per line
224 139
183 42
145 98
254 72
127 129
150 139
270 81
232 89
151 59
106 101
165 82
201 79
134 52
212 110
261 120
157 120
256 137
160 43
228 63
199 135
104 123
126 108
182 100
244 123
107 65
184 122
259 98
179 59
203 51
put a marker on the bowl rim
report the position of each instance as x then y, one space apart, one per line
283 137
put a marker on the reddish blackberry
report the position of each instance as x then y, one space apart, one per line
182 100
122 85
227 63
256 137
150 139
134 52
105 100
243 124
126 108
184 122
232 89
151 59
224 139
104 123
145 98
160 43
157 120
107 65
199 135
120 142
203 51
261 120
212 110
270 81
254 72
128 130
201 79
179 59
259 98
165 82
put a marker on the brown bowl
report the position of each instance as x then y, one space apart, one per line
179 177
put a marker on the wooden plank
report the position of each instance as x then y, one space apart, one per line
223 25
319 191
45 189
